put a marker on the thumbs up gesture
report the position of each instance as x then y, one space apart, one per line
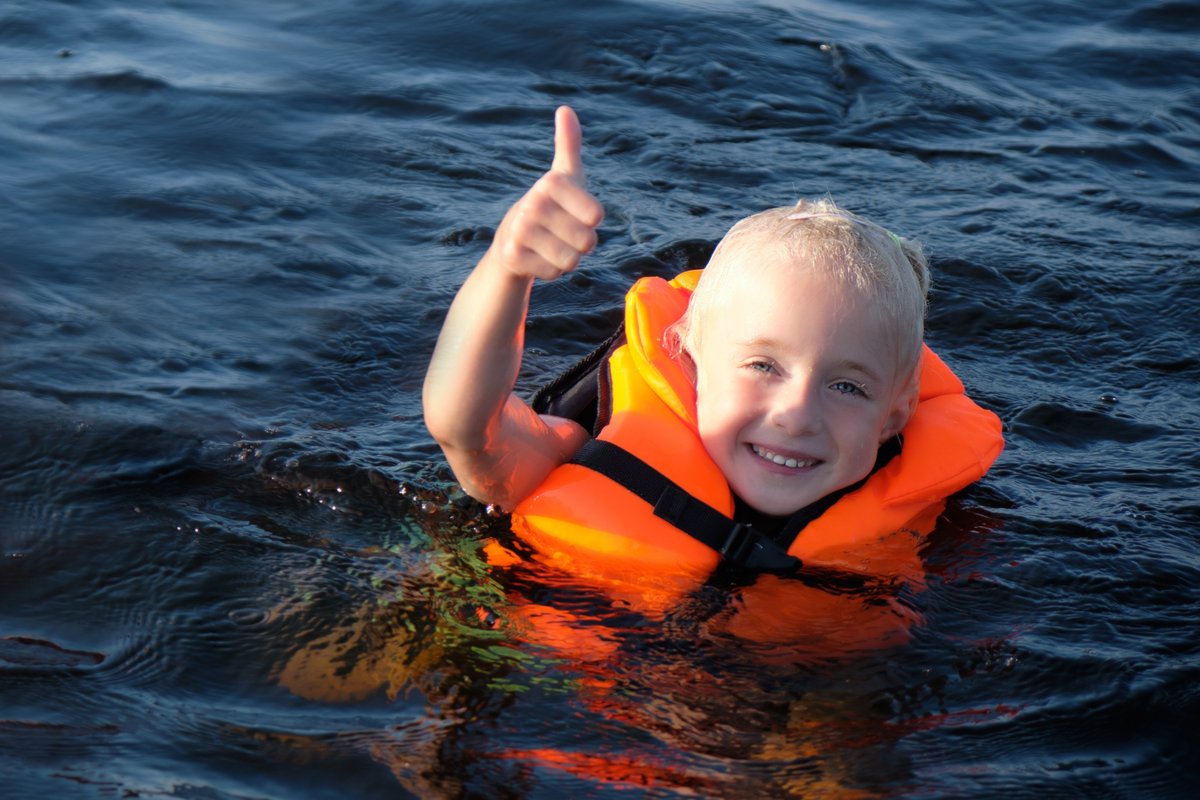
553 226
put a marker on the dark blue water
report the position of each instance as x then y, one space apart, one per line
233 565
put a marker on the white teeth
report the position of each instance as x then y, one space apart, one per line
782 461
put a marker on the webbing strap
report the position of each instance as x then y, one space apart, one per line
737 542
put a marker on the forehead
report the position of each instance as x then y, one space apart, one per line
803 311
765 273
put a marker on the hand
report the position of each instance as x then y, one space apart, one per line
548 231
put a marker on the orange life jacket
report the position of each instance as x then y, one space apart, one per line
596 529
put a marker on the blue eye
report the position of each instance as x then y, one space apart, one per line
849 387
765 367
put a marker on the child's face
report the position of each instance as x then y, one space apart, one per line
797 385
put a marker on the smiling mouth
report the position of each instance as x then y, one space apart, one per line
783 461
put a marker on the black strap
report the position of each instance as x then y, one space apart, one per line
583 392
737 542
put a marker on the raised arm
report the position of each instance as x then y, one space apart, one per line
498 447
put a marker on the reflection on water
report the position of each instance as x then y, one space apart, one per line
232 564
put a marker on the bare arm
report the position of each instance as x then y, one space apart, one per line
498 447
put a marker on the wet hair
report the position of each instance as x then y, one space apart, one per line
815 234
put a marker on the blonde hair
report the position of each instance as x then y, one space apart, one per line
816 234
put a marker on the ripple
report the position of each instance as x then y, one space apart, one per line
1170 17
250 617
124 81
27 652
1055 423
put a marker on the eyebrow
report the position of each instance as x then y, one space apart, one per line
855 366
847 364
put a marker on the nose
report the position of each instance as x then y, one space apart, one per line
796 409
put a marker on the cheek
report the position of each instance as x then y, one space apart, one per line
708 417
860 435
719 411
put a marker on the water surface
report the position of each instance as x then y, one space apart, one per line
233 563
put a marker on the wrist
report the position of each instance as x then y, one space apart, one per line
505 271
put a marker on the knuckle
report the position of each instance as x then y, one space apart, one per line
524 225
568 259
597 213
512 251
584 242
546 185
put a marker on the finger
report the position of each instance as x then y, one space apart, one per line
568 145
542 256
555 256
572 198
553 233
541 239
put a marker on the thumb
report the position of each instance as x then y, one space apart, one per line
568 145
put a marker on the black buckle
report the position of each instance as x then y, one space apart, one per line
739 544
748 549
742 546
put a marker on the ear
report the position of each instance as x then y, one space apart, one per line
688 365
673 343
903 405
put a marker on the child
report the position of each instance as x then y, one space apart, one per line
768 411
